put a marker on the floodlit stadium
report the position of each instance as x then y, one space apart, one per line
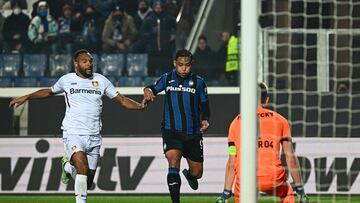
305 51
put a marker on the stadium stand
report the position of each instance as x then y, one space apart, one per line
59 64
34 65
136 64
113 80
130 81
95 62
25 82
5 82
10 65
47 82
112 64
150 80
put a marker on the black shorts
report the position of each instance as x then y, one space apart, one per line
191 146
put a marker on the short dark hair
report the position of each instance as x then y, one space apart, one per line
13 3
183 53
263 89
118 6
90 6
156 2
78 52
202 37
145 1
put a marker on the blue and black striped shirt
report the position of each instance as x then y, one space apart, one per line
186 102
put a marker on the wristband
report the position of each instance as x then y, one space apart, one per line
226 194
299 189
232 150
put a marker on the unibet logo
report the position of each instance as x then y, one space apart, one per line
180 89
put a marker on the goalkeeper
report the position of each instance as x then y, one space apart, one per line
271 175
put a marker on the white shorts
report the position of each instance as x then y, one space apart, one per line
90 144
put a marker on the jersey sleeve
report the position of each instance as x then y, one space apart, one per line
58 87
286 133
110 90
203 92
233 135
204 101
159 85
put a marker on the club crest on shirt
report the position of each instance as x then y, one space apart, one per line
73 148
95 83
191 83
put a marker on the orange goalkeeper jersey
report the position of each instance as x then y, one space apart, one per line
273 129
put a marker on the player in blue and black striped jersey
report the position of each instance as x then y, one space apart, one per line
185 119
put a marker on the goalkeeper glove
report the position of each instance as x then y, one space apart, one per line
303 198
226 194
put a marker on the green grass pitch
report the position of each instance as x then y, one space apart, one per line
154 198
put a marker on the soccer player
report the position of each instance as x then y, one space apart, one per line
185 119
274 131
81 126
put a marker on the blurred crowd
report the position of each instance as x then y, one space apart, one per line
107 26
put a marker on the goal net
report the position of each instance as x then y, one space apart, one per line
310 58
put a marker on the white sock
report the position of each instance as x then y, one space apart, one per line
70 169
80 188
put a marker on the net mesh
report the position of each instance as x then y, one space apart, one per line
310 61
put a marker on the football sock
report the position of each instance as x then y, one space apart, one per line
70 169
80 188
90 179
174 183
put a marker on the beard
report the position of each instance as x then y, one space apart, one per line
85 72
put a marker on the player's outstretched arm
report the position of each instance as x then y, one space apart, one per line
205 116
229 180
230 172
129 103
40 94
292 161
294 167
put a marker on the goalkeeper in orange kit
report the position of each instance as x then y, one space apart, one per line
271 176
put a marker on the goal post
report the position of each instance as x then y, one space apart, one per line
248 100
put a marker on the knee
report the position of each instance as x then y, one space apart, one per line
81 168
174 163
81 165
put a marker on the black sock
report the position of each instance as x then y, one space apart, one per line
90 179
174 183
